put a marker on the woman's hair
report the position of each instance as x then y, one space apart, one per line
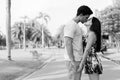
84 10
96 28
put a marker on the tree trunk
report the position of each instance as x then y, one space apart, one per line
43 44
8 28
24 39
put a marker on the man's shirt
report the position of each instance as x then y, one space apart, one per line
74 31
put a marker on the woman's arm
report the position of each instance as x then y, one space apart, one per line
91 39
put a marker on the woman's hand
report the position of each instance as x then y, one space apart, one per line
80 67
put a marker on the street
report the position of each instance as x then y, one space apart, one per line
56 69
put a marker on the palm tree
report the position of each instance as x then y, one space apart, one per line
17 33
44 18
8 27
24 41
36 33
33 32
47 36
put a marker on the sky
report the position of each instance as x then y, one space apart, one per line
60 11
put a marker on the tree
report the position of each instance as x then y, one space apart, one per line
116 3
44 21
47 36
59 36
36 33
110 19
24 38
17 33
33 32
2 40
8 27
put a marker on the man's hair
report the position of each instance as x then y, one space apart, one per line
84 10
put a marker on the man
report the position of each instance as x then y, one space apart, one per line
73 41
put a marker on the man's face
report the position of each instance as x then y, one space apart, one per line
84 18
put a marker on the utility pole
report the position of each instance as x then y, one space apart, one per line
8 28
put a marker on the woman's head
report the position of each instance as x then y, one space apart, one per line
95 25
96 28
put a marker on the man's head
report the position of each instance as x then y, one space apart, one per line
83 13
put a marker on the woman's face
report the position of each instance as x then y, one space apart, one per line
88 23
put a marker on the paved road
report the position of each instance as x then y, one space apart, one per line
56 70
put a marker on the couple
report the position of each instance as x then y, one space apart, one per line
76 58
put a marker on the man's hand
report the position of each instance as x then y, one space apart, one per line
75 65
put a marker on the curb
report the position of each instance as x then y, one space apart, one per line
115 61
32 71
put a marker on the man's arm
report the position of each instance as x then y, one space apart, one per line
69 48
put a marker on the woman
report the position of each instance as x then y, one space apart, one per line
90 60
